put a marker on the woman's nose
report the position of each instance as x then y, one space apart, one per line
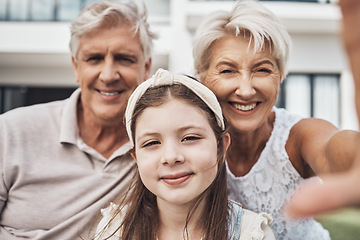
245 88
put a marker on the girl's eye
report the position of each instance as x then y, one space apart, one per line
190 138
151 143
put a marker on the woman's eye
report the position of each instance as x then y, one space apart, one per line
263 70
226 71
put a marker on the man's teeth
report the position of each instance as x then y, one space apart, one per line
109 93
244 107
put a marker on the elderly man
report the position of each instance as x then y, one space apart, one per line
61 162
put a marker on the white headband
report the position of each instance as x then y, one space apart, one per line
163 77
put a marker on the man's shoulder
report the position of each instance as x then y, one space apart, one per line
33 113
36 108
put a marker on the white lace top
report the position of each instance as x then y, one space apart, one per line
271 181
253 226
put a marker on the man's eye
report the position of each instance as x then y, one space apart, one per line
125 59
94 59
128 60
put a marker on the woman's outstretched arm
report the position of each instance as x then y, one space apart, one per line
342 189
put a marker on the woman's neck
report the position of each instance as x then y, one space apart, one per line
246 147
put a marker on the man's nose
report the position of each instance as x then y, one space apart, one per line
109 71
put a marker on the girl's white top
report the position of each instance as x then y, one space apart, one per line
253 226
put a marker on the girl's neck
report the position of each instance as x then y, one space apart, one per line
173 221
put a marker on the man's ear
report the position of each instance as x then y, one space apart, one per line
75 66
148 68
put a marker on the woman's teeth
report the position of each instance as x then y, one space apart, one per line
244 107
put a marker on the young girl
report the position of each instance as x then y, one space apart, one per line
179 191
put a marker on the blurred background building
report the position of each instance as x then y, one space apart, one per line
35 63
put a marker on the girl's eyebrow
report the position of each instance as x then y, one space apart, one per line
182 129
185 128
148 134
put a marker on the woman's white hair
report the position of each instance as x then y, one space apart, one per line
249 18
108 14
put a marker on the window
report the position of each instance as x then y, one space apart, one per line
64 10
12 97
315 1
312 95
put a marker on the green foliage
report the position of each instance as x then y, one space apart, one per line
343 224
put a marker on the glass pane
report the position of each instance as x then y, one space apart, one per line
36 95
298 94
19 9
327 99
86 2
292 0
158 7
67 10
321 1
1 100
3 9
13 98
42 10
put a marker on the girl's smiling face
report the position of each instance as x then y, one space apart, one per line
176 151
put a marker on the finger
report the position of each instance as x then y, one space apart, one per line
320 197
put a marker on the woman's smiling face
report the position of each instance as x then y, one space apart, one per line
245 83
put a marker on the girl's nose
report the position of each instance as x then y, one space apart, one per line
172 155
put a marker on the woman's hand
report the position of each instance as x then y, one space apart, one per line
333 192
339 190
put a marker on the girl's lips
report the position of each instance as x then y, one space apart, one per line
176 179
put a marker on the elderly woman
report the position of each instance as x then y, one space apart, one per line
241 56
